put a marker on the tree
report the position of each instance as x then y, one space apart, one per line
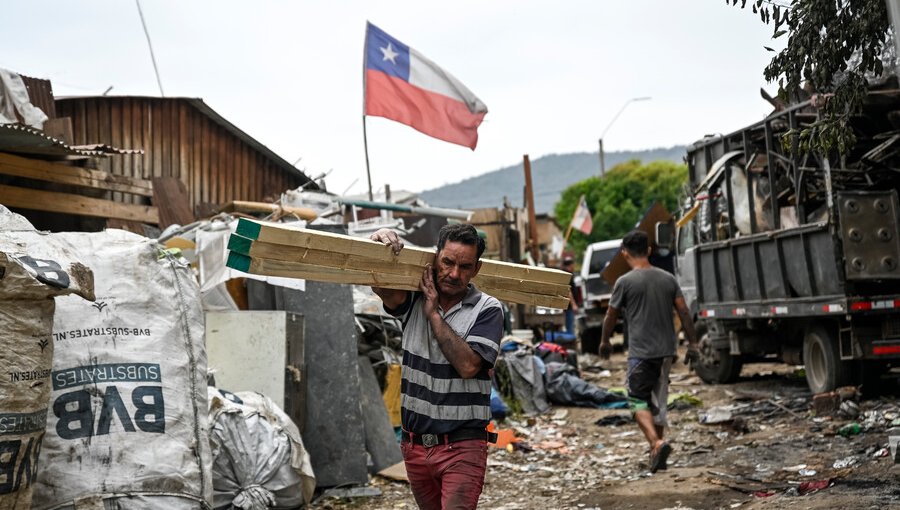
618 200
834 48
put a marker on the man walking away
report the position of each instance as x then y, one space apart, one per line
647 295
451 337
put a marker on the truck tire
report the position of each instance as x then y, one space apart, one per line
716 366
824 369
590 340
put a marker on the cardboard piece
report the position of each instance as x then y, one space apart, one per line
617 266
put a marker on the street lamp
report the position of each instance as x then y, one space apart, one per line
602 162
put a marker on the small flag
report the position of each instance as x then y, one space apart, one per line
582 217
403 85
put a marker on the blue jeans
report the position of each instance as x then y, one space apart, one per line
570 321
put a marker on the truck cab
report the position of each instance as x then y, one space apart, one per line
596 292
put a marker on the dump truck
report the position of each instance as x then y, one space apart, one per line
790 255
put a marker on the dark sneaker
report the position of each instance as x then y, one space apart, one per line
658 461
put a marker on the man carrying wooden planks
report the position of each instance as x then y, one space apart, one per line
451 338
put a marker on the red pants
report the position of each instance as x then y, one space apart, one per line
446 476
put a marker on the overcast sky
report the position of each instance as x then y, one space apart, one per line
553 74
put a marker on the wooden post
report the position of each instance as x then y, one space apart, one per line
532 222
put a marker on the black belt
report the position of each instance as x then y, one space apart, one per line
429 440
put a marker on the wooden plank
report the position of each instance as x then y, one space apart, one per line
617 266
281 268
39 200
303 238
304 213
331 259
60 128
52 172
171 198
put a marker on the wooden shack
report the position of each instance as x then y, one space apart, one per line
108 161
182 138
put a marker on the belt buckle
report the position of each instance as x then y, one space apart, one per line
429 440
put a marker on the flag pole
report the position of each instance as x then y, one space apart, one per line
366 149
572 221
568 233
365 138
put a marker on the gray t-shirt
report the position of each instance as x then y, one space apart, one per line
647 297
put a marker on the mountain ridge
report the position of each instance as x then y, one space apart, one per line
550 175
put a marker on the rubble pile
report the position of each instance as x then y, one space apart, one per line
760 443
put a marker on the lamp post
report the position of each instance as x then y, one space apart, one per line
602 161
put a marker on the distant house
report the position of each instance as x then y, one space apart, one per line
131 161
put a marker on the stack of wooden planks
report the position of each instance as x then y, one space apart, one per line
280 250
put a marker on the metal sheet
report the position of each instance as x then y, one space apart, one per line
247 351
21 139
333 432
381 443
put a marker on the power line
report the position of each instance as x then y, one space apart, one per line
150 45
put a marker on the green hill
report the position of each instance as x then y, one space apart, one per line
550 175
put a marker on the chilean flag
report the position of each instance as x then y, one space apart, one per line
582 218
404 86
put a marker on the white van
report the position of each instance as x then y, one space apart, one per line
596 292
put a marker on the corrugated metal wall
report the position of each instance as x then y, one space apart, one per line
178 141
40 93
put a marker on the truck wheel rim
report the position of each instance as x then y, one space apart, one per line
816 364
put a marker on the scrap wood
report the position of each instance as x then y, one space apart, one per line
754 487
279 250
71 203
305 238
241 206
267 267
785 408
395 472
732 486
170 197
317 257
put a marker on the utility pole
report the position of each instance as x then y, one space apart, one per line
602 160
532 222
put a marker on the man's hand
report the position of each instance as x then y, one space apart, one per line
692 356
388 237
428 291
605 350
392 298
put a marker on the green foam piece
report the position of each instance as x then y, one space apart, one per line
238 261
239 244
248 229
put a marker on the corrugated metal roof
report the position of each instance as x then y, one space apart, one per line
22 139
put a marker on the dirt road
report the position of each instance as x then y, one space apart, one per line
768 451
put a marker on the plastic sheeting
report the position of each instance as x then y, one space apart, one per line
564 387
212 252
527 383
259 461
14 98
